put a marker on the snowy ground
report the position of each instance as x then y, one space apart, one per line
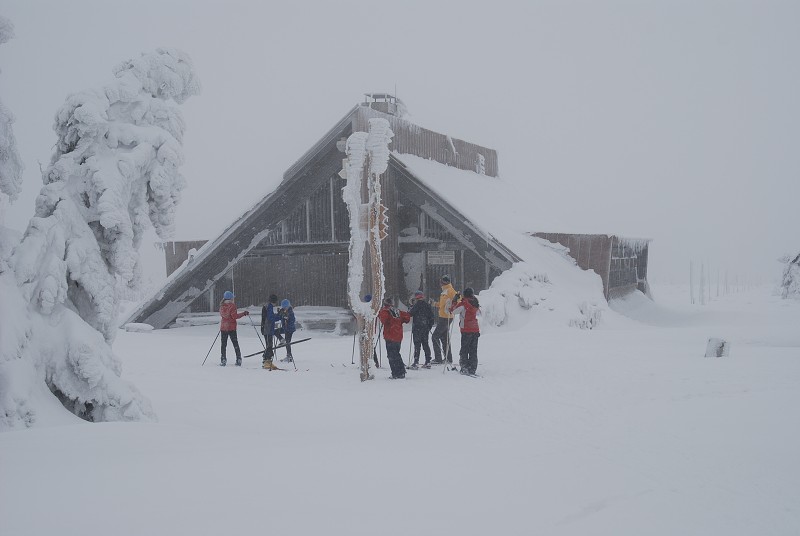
622 430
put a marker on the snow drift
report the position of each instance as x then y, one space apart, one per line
546 288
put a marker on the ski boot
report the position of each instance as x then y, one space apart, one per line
268 365
238 361
223 361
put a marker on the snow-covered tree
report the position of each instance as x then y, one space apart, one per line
10 162
115 168
790 284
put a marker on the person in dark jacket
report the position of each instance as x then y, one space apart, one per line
269 316
393 320
227 326
468 307
423 321
288 327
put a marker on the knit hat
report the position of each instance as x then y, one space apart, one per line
273 298
367 298
445 279
285 304
419 294
469 292
227 295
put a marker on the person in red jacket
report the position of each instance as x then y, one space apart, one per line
393 320
227 326
468 308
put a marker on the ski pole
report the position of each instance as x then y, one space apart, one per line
448 351
288 345
411 343
380 348
374 353
212 347
257 333
353 354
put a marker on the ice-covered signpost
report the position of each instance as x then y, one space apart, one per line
367 159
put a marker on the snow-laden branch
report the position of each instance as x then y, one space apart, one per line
116 170
10 162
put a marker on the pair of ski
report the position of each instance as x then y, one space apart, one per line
261 352
449 368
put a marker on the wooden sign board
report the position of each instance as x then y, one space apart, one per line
441 257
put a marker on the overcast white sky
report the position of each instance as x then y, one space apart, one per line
677 121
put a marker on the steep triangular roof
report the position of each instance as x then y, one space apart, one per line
321 161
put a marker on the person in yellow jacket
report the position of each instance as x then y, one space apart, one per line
441 335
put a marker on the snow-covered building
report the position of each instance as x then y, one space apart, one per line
294 242
620 262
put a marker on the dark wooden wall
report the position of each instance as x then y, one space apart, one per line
620 263
304 278
177 252
628 268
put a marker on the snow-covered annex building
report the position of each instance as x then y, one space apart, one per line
294 242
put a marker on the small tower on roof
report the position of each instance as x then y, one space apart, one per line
386 103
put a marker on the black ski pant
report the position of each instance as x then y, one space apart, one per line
468 355
395 359
288 343
269 338
441 339
234 340
420 338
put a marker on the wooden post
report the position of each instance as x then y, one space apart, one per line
367 159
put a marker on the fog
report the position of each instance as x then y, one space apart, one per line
676 121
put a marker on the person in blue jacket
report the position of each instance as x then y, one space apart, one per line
288 327
269 316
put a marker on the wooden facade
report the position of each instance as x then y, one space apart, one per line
294 243
620 262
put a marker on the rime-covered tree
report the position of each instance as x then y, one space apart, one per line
11 333
790 284
114 172
10 162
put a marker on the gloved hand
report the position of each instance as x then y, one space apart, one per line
247 313
457 297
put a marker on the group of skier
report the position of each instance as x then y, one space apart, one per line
421 314
278 324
